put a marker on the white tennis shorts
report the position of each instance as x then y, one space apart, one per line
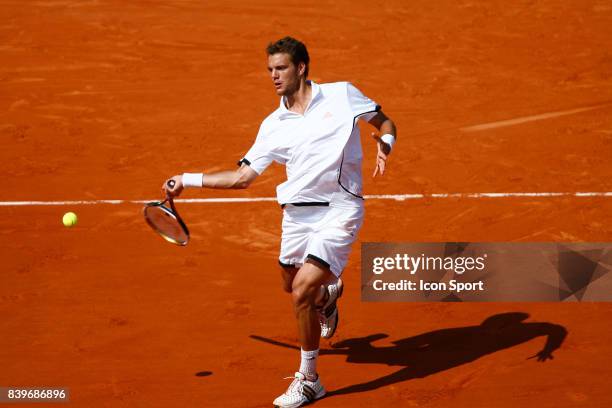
323 233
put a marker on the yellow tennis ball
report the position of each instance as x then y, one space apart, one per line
69 219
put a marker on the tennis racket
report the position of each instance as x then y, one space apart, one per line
166 221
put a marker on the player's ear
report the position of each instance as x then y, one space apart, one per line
301 68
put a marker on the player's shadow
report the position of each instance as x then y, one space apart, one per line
440 350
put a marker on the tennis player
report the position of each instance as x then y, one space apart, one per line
314 133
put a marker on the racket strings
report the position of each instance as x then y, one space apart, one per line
167 224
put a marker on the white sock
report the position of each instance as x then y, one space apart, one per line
308 366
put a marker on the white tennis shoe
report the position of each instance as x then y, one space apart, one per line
328 313
300 392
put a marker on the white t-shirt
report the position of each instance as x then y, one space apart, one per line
321 149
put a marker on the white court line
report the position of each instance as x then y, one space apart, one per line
532 118
396 197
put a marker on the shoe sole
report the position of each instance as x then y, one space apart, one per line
335 304
316 398
330 335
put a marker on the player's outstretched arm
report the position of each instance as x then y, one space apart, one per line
237 179
387 129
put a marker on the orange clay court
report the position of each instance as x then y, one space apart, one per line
106 99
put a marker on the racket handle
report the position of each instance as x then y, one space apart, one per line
171 184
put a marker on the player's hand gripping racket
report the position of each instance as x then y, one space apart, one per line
166 221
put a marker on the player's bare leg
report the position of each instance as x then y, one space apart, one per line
306 293
325 301
288 273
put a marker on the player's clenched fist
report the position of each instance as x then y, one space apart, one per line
173 187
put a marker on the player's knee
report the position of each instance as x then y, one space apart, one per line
303 294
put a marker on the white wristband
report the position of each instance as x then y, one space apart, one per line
388 139
192 180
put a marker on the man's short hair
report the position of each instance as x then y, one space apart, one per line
295 48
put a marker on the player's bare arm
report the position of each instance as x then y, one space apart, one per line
385 127
229 179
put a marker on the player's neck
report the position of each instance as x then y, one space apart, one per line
298 101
